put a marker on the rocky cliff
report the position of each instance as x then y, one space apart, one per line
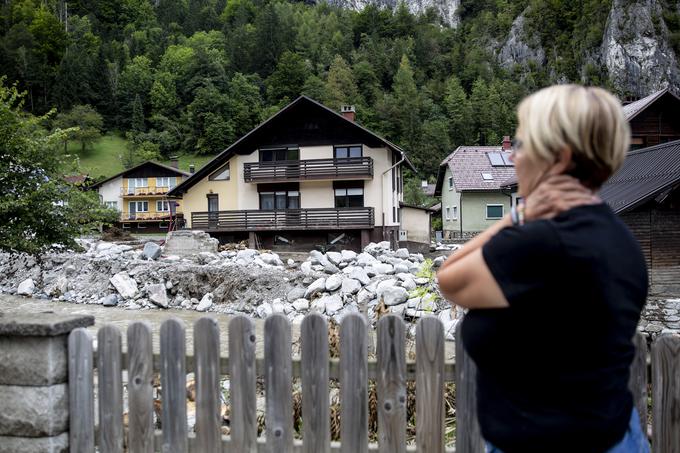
447 9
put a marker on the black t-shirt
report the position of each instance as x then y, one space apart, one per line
553 367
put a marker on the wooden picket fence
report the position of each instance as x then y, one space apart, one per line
353 370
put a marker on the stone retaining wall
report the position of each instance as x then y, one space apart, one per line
34 414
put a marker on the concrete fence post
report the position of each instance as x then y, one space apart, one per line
34 381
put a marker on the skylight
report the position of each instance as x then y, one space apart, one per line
487 176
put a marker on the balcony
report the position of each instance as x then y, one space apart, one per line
144 216
151 191
284 219
309 169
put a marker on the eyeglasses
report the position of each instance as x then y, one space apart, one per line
517 145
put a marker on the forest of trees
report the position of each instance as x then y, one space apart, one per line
191 76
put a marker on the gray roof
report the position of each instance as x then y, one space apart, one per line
148 162
467 163
631 110
645 174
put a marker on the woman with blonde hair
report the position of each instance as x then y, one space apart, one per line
555 288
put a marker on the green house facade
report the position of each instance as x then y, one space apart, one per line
471 183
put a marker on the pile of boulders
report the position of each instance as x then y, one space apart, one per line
444 246
245 281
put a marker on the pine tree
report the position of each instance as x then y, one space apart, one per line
137 115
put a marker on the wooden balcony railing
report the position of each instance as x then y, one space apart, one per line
284 219
145 216
310 169
143 191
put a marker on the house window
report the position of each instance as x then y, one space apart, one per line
349 198
282 199
279 154
111 204
223 174
139 206
448 213
166 181
450 182
136 183
454 213
494 211
343 152
162 206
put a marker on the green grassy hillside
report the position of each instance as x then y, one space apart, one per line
103 157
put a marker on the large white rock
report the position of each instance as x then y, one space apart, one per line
333 282
247 254
350 286
205 303
364 297
318 306
272 259
364 259
334 257
151 251
295 294
382 268
301 305
157 294
401 267
438 261
316 287
402 253
358 273
383 285
126 286
394 295
26 288
109 301
348 255
409 284
264 310
306 268
332 303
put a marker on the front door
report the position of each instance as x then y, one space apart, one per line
133 209
213 208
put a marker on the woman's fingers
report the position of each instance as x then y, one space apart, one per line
556 194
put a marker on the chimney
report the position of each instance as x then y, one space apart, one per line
192 169
174 162
348 112
507 144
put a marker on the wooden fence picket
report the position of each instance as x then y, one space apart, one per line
173 387
110 379
430 385
81 393
242 388
208 401
140 388
278 379
315 404
353 384
391 385
666 394
468 435
638 379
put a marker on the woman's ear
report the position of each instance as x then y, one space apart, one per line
563 163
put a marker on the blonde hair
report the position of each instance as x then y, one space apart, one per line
588 120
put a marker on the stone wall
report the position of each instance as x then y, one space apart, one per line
34 414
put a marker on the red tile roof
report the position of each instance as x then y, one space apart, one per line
467 163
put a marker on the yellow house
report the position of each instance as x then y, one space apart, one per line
140 194
307 176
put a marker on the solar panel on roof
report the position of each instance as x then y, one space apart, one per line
496 159
506 159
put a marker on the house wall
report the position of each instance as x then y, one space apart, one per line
473 212
196 199
236 194
658 123
111 191
417 224
655 228
450 198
